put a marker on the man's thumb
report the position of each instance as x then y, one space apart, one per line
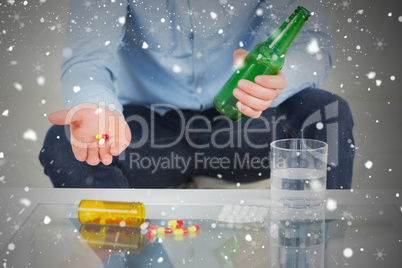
239 55
60 117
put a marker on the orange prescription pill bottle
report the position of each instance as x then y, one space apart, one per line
122 214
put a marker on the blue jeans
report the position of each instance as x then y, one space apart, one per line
168 150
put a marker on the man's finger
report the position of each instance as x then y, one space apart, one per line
251 101
79 148
247 110
114 146
256 91
113 137
117 145
93 155
272 81
59 117
80 152
104 153
120 138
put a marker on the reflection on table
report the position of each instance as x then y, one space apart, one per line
297 237
355 232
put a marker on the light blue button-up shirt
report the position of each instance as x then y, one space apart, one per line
179 52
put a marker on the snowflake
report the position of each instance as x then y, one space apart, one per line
125 45
379 44
345 4
295 68
58 27
347 215
254 246
230 11
253 32
273 230
17 17
58 237
122 256
38 68
317 26
316 236
16 228
379 254
87 4
274 17
152 30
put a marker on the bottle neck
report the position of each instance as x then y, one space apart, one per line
281 40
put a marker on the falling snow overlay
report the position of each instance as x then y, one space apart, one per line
365 72
379 254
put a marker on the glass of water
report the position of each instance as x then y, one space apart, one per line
298 173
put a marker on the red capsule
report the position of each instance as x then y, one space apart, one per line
151 233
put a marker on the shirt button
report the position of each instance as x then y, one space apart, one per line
199 90
198 55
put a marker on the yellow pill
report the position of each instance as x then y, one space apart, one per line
163 230
98 137
172 223
180 231
176 223
194 228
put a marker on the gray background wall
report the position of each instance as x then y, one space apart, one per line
367 34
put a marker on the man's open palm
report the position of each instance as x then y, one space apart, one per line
89 120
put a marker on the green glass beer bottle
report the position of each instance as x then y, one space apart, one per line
265 58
